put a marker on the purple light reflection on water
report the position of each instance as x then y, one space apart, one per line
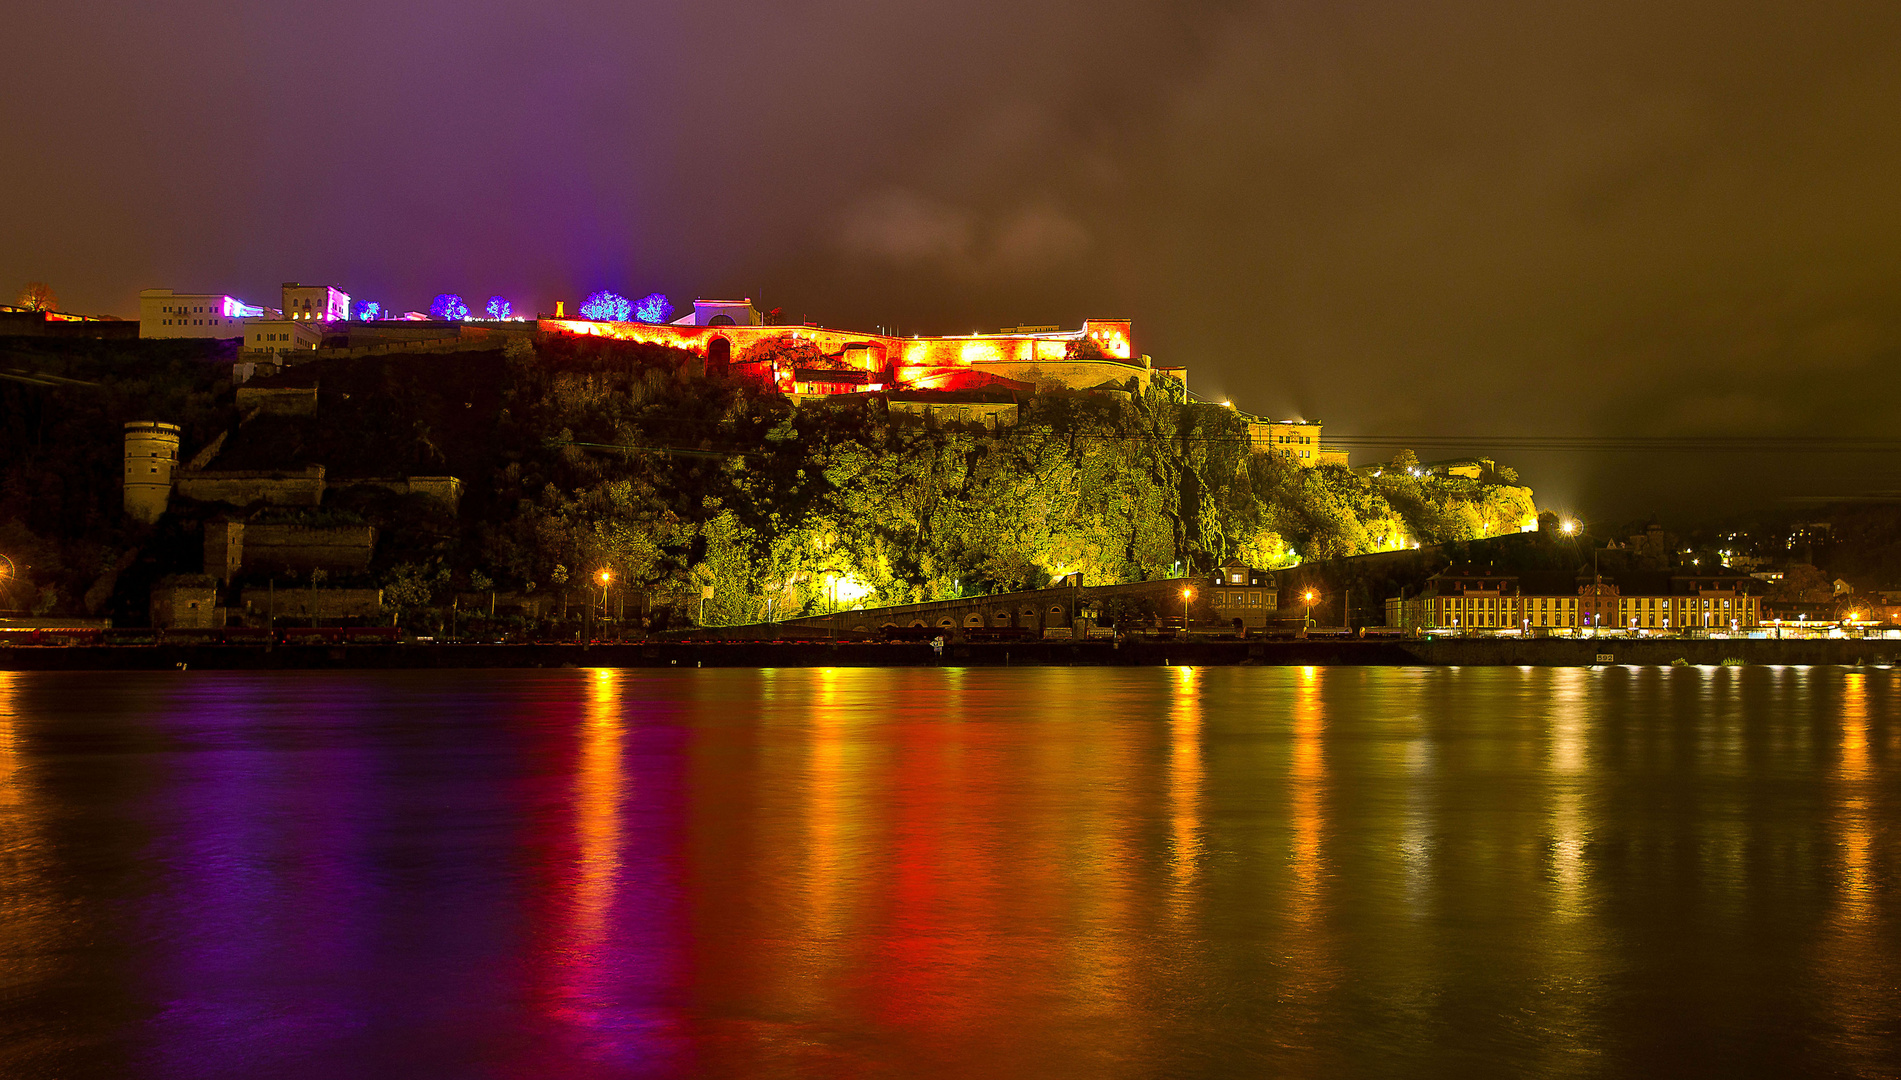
300 906
269 901
942 872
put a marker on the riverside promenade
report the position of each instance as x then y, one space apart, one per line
1537 652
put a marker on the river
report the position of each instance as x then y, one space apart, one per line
1044 872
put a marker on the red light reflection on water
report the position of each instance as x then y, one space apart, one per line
607 946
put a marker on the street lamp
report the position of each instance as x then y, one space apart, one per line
1308 598
1187 595
604 577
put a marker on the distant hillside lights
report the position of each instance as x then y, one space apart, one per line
809 360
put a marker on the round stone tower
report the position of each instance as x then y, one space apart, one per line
151 453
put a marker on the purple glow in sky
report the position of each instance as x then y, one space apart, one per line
1608 218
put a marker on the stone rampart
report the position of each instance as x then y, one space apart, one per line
444 489
244 487
297 602
301 548
278 400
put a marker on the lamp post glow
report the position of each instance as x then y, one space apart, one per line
1308 598
1187 595
604 577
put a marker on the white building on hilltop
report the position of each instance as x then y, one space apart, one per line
722 313
281 335
315 303
167 314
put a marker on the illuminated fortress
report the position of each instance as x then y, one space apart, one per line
732 337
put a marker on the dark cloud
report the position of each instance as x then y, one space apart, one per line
1609 217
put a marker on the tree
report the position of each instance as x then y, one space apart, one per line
499 307
653 308
448 306
38 296
1803 584
369 311
606 306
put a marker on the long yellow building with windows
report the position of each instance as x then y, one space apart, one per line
1480 598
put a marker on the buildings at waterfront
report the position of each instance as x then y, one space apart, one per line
1244 596
1468 597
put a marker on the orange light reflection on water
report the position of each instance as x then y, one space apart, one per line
1307 772
1861 972
1184 791
598 781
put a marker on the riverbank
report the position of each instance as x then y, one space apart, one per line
1536 652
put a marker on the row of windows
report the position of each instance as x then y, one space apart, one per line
193 322
1248 598
1564 611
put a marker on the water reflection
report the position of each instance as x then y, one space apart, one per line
599 790
1308 771
1058 872
1571 714
1863 968
1184 790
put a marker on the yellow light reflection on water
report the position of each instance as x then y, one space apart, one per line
10 793
835 801
1571 713
1858 970
1308 772
1184 789
30 922
1852 776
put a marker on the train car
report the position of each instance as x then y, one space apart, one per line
179 636
65 636
910 633
129 636
310 635
1001 633
372 635
255 637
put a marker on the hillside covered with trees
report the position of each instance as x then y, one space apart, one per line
583 455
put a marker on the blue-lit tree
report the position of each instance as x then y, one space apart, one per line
606 306
369 311
448 306
499 307
653 308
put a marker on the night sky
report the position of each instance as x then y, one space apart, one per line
1410 217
